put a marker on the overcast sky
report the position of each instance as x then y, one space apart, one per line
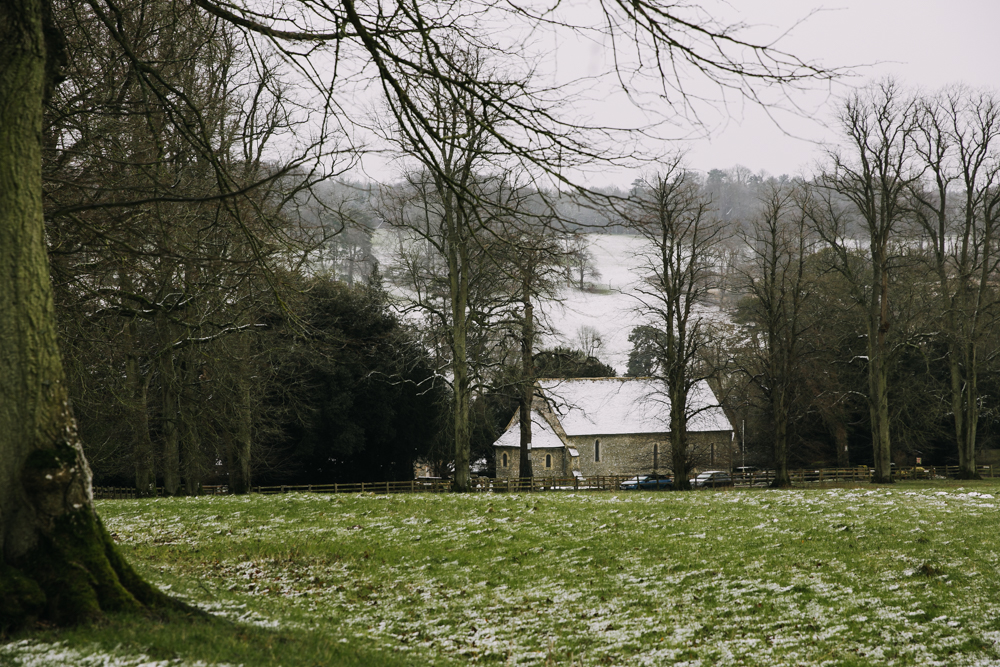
923 43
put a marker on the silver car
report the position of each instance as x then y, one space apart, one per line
711 479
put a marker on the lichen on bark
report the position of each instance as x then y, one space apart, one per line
57 562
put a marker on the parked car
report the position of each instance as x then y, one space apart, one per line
711 479
652 482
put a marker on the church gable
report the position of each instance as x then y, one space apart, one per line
608 426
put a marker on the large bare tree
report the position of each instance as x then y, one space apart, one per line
682 237
958 210
456 192
776 285
58 561
872 173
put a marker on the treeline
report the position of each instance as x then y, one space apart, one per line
204 341
864 300
221 312
224 317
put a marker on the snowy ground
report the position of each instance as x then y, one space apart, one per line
849 576
610 307
609 303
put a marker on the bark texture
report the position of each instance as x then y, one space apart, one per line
56 560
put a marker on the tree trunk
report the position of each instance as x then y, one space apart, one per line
965 407
878 407
461 414
57 562
169 426
138 383
527 385
458 267
878 363
145 473
191 451
779 410
190 436
239 451
840 442
678 437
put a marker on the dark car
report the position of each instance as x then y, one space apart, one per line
711 479
651 482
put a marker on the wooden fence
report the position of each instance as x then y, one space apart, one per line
820 476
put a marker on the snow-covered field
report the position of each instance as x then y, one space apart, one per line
608 305
845 576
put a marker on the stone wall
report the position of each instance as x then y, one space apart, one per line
562 463
622 455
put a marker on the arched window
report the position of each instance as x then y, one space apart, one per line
597 450
504 459
548 460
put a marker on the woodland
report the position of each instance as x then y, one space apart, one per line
200 354
189 294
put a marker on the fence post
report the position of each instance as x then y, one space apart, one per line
362 487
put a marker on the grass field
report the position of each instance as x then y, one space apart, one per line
907 575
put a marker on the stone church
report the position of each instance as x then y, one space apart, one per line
613 426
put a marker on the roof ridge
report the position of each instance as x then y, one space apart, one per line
621 377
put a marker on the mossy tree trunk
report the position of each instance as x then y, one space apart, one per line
57 562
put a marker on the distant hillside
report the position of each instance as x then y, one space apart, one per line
607 305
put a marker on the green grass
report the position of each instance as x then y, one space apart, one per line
907 575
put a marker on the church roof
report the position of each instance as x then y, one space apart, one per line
542 435
618 406
613 406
